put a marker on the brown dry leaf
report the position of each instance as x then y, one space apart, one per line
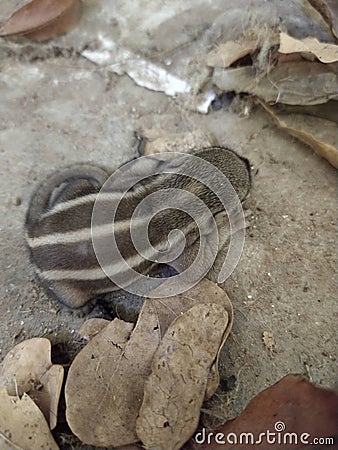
27 368
175 390
167 309
292 83
292 405
41 20
157 140
226 54
22 425
104 388
324 149
326 53
92 327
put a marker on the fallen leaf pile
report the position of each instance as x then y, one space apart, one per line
114 384
30 387
276 68
119 391
41 20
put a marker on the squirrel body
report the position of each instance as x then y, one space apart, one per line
59 219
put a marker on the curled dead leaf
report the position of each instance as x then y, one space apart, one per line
22 424
41 20
27 368
324 149
175 390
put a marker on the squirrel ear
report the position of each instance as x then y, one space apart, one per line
51 190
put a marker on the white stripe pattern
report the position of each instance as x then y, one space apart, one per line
79 201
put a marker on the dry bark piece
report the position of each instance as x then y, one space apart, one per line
326 53
293 405
157 140
175 390
41 20
22 424
104 388
324 149
27 368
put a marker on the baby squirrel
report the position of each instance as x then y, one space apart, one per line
58 222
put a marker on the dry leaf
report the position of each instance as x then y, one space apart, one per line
293 405
27 368
324 149
175 390
327 111
292 83
226 54
92 327
326 53
22 425
104 388
41 20
167 309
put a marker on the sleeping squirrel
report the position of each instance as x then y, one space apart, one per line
59 219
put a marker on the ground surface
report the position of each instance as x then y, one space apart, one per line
58 108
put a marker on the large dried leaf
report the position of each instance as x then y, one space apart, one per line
27 368
292 83
22 425
175 390
324 149
293 405
104 388
326 53
167 309
40 20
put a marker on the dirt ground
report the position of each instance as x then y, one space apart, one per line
59 108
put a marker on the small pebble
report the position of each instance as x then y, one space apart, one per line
17 201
